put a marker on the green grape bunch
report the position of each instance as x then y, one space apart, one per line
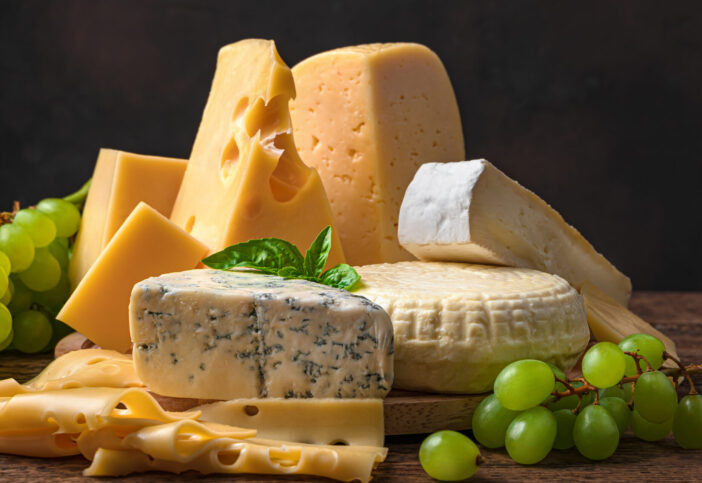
35 250
535 408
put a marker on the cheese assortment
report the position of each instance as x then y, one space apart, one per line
146 244
457 325
472 212
367 117
120 181
225 335
290 374
245 178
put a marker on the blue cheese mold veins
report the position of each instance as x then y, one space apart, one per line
237 334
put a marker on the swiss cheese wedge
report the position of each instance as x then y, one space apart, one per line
245 179
120 181
367 117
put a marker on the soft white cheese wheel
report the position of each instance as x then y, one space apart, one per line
457 325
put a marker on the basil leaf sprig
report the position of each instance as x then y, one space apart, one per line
274 256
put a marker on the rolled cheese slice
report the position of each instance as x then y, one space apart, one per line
457 325
470 211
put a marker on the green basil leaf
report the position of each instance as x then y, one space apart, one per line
317 254
289 272
266 254
340 276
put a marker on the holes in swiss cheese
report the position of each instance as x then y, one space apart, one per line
250 410
289 175
267 118
240 108
189 224
228 457
230 156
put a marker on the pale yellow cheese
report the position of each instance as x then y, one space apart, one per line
189 445
120 181
146 244
356 422
367 117
80 368
610 321
245 179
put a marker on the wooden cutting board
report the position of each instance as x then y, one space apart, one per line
405 412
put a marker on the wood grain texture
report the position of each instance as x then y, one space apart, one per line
676 314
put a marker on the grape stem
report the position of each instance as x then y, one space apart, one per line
6 217
685 371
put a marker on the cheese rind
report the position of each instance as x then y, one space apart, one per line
214 334
355 422
457 325
367 117
470 211
147 244
245 179
120 181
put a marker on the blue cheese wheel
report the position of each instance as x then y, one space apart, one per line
212 334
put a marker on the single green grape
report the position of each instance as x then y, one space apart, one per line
32 331
44 273
17 245
628 391
560 375
449 456
21 298
647 430
619 411
687 424
37 225
65 215
655 397
603 365
5 322
53 299
571 402
614 391
490 422
60 253
565 419
595 433
524 384
4 281
7 297
5 264
648 346
530 435
6 343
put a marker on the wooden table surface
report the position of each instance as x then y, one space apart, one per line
679 315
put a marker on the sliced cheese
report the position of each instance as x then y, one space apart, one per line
147 244
457 325
367 117
81 368
471 212
214 334
188 445
245 179
120 181
356 422
610 321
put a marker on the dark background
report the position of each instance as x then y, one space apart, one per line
595 106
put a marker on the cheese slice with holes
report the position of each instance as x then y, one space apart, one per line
470 211
80 368
457 325
611 321
190 445
355 422
367 117
245 179
146 244
120 181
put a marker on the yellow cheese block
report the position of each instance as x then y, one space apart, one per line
367 117
147 244
245 179
610 321
120 181
355 422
